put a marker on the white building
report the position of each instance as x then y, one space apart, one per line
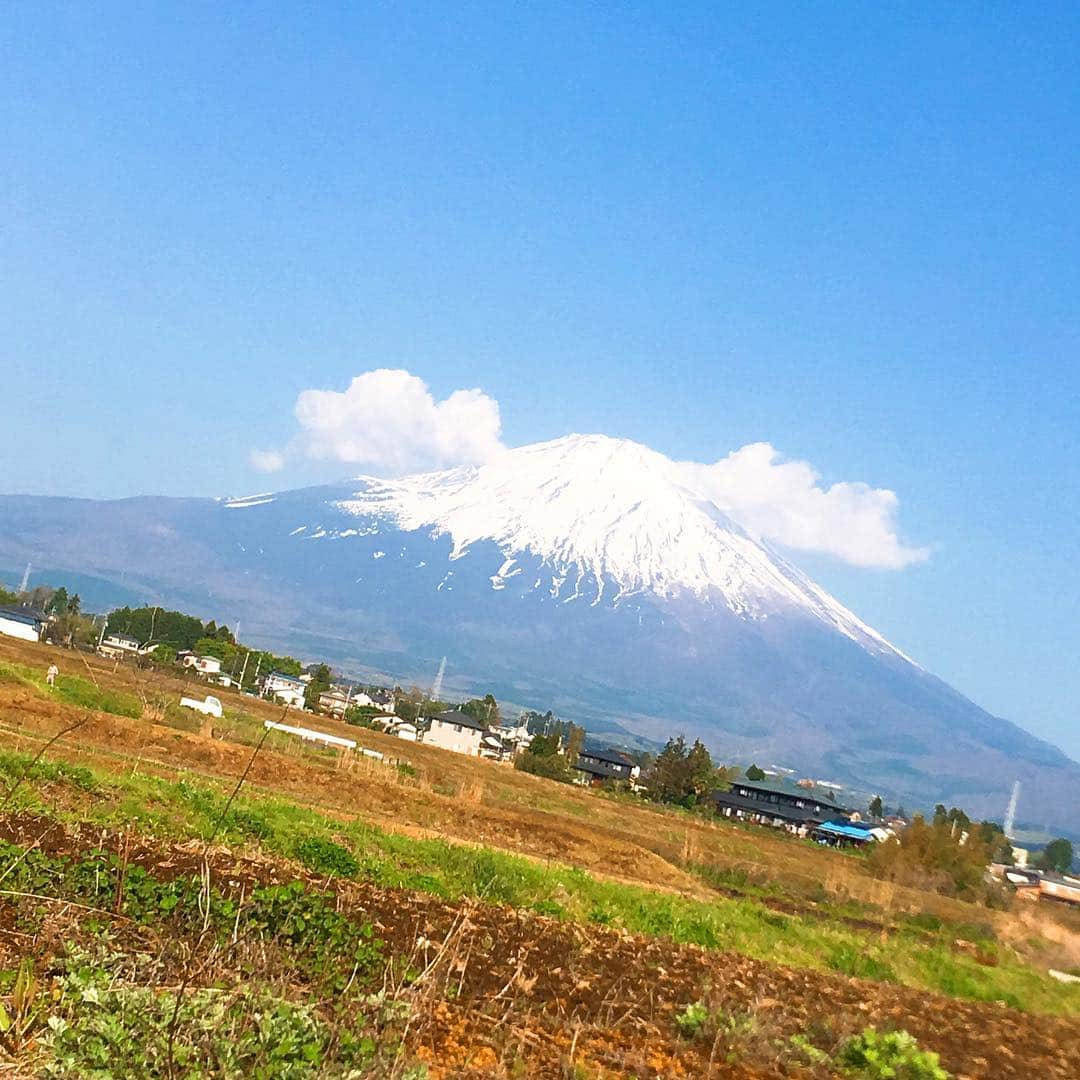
455 731
515 736
402 729
207 665
120 645
288 689
22 623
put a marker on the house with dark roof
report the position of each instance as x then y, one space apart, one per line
120 645
26 623
780 803
457 731
598 766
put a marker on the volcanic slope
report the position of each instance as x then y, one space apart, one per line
590 575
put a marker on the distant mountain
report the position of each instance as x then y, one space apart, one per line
587 575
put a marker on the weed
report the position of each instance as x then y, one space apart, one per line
692 1020
107 1025
327 857
852 960
892 1055
21 1017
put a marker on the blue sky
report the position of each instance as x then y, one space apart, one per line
850 233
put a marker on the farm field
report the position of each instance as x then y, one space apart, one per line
481 922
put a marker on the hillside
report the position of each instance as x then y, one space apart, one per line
587 575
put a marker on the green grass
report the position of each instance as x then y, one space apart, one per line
914 957
74 690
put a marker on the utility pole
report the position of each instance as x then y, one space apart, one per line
244 668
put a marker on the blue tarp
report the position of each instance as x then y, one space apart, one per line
849 831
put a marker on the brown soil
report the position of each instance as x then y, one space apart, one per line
507 990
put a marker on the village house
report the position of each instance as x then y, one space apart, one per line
457 731
288 689
206 665
383 699
334 702
117 645
598 766
400 728
778 803
514 736
494 747
25 623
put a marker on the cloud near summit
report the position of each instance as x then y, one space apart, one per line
388 422
784 501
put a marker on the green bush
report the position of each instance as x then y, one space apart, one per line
890 1055
326 857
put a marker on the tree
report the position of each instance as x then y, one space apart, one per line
876 809
682 774
934 855
754 773
59 603
575 740
536 722
485 709
1057 855
164 654
319 684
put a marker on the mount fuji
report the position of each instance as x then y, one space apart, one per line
589 575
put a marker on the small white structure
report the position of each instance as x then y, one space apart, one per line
210 707
456 731
22 623
207 665
401 729
309 735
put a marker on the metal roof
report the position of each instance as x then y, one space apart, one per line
462 719
825 796
23 615
612 757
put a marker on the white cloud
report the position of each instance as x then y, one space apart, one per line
388 420
784 501
267 460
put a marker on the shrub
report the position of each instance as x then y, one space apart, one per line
692 1020
326 857
891 1055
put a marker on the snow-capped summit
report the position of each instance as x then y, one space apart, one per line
608 519
588 575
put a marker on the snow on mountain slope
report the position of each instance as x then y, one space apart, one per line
610 518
